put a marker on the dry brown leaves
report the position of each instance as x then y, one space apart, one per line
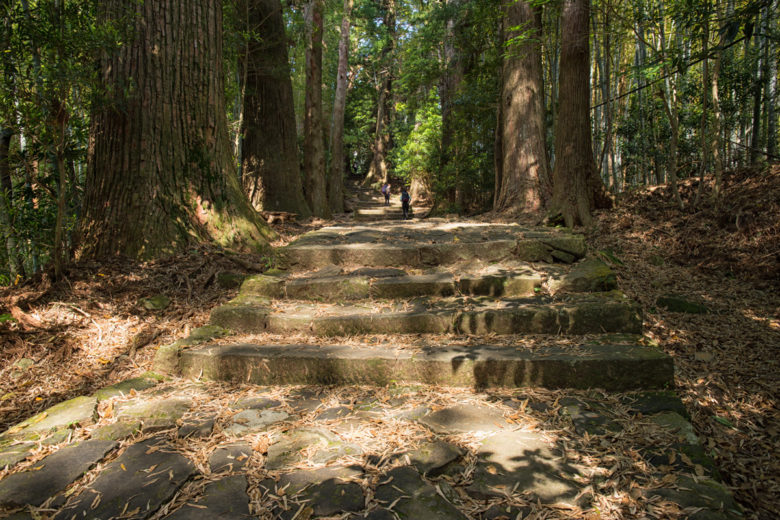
727 256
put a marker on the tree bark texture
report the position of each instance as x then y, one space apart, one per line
271 170
525 184
573 195
7 231
160 177
313 136
336 175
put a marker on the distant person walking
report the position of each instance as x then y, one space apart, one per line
386 193
406 200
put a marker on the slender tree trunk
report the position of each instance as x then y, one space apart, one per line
705 91
717 122
160 175
336 177
271 169
378 171
313 136
755 141
771 85
525 184
448 90
576 187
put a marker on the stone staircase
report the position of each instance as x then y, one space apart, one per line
447 280
423 348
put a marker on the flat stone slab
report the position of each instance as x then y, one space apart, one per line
225 499
12 455
429 458
52 474
126 387
232 457
318 445
155 414
713 498
296 481
612 367
516 461
433 242
465 418
80 410
117 431
581 314
251 421
134 485
413 498
197 428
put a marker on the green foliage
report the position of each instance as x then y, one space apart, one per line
418 153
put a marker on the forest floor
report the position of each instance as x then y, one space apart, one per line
92 329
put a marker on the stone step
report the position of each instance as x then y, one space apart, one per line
611 367
514 280
391 284
429 243
580 314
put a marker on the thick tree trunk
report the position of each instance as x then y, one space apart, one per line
271 170
160 175
313 136
576 187
524 172
336 175
771 84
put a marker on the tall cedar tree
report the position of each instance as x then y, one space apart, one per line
159 175
271 169
577 189
313 136
522 167
336 171
378 171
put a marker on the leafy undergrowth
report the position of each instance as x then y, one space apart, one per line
92 329
727 256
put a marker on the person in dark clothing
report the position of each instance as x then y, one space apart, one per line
406 201
386 193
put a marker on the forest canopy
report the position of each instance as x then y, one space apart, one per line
144 128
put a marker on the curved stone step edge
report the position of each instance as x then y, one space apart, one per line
611 367
588 317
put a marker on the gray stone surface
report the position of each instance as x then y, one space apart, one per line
433 456
465 418
713 497
254 402
196 428
151 467
251 421
125 387
333 414
117 431
155 414
413 498
586 419
52 474
80 410
648 403
589 275
318 444
225 499
296 481
516 461
231 457
13 454
677 424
